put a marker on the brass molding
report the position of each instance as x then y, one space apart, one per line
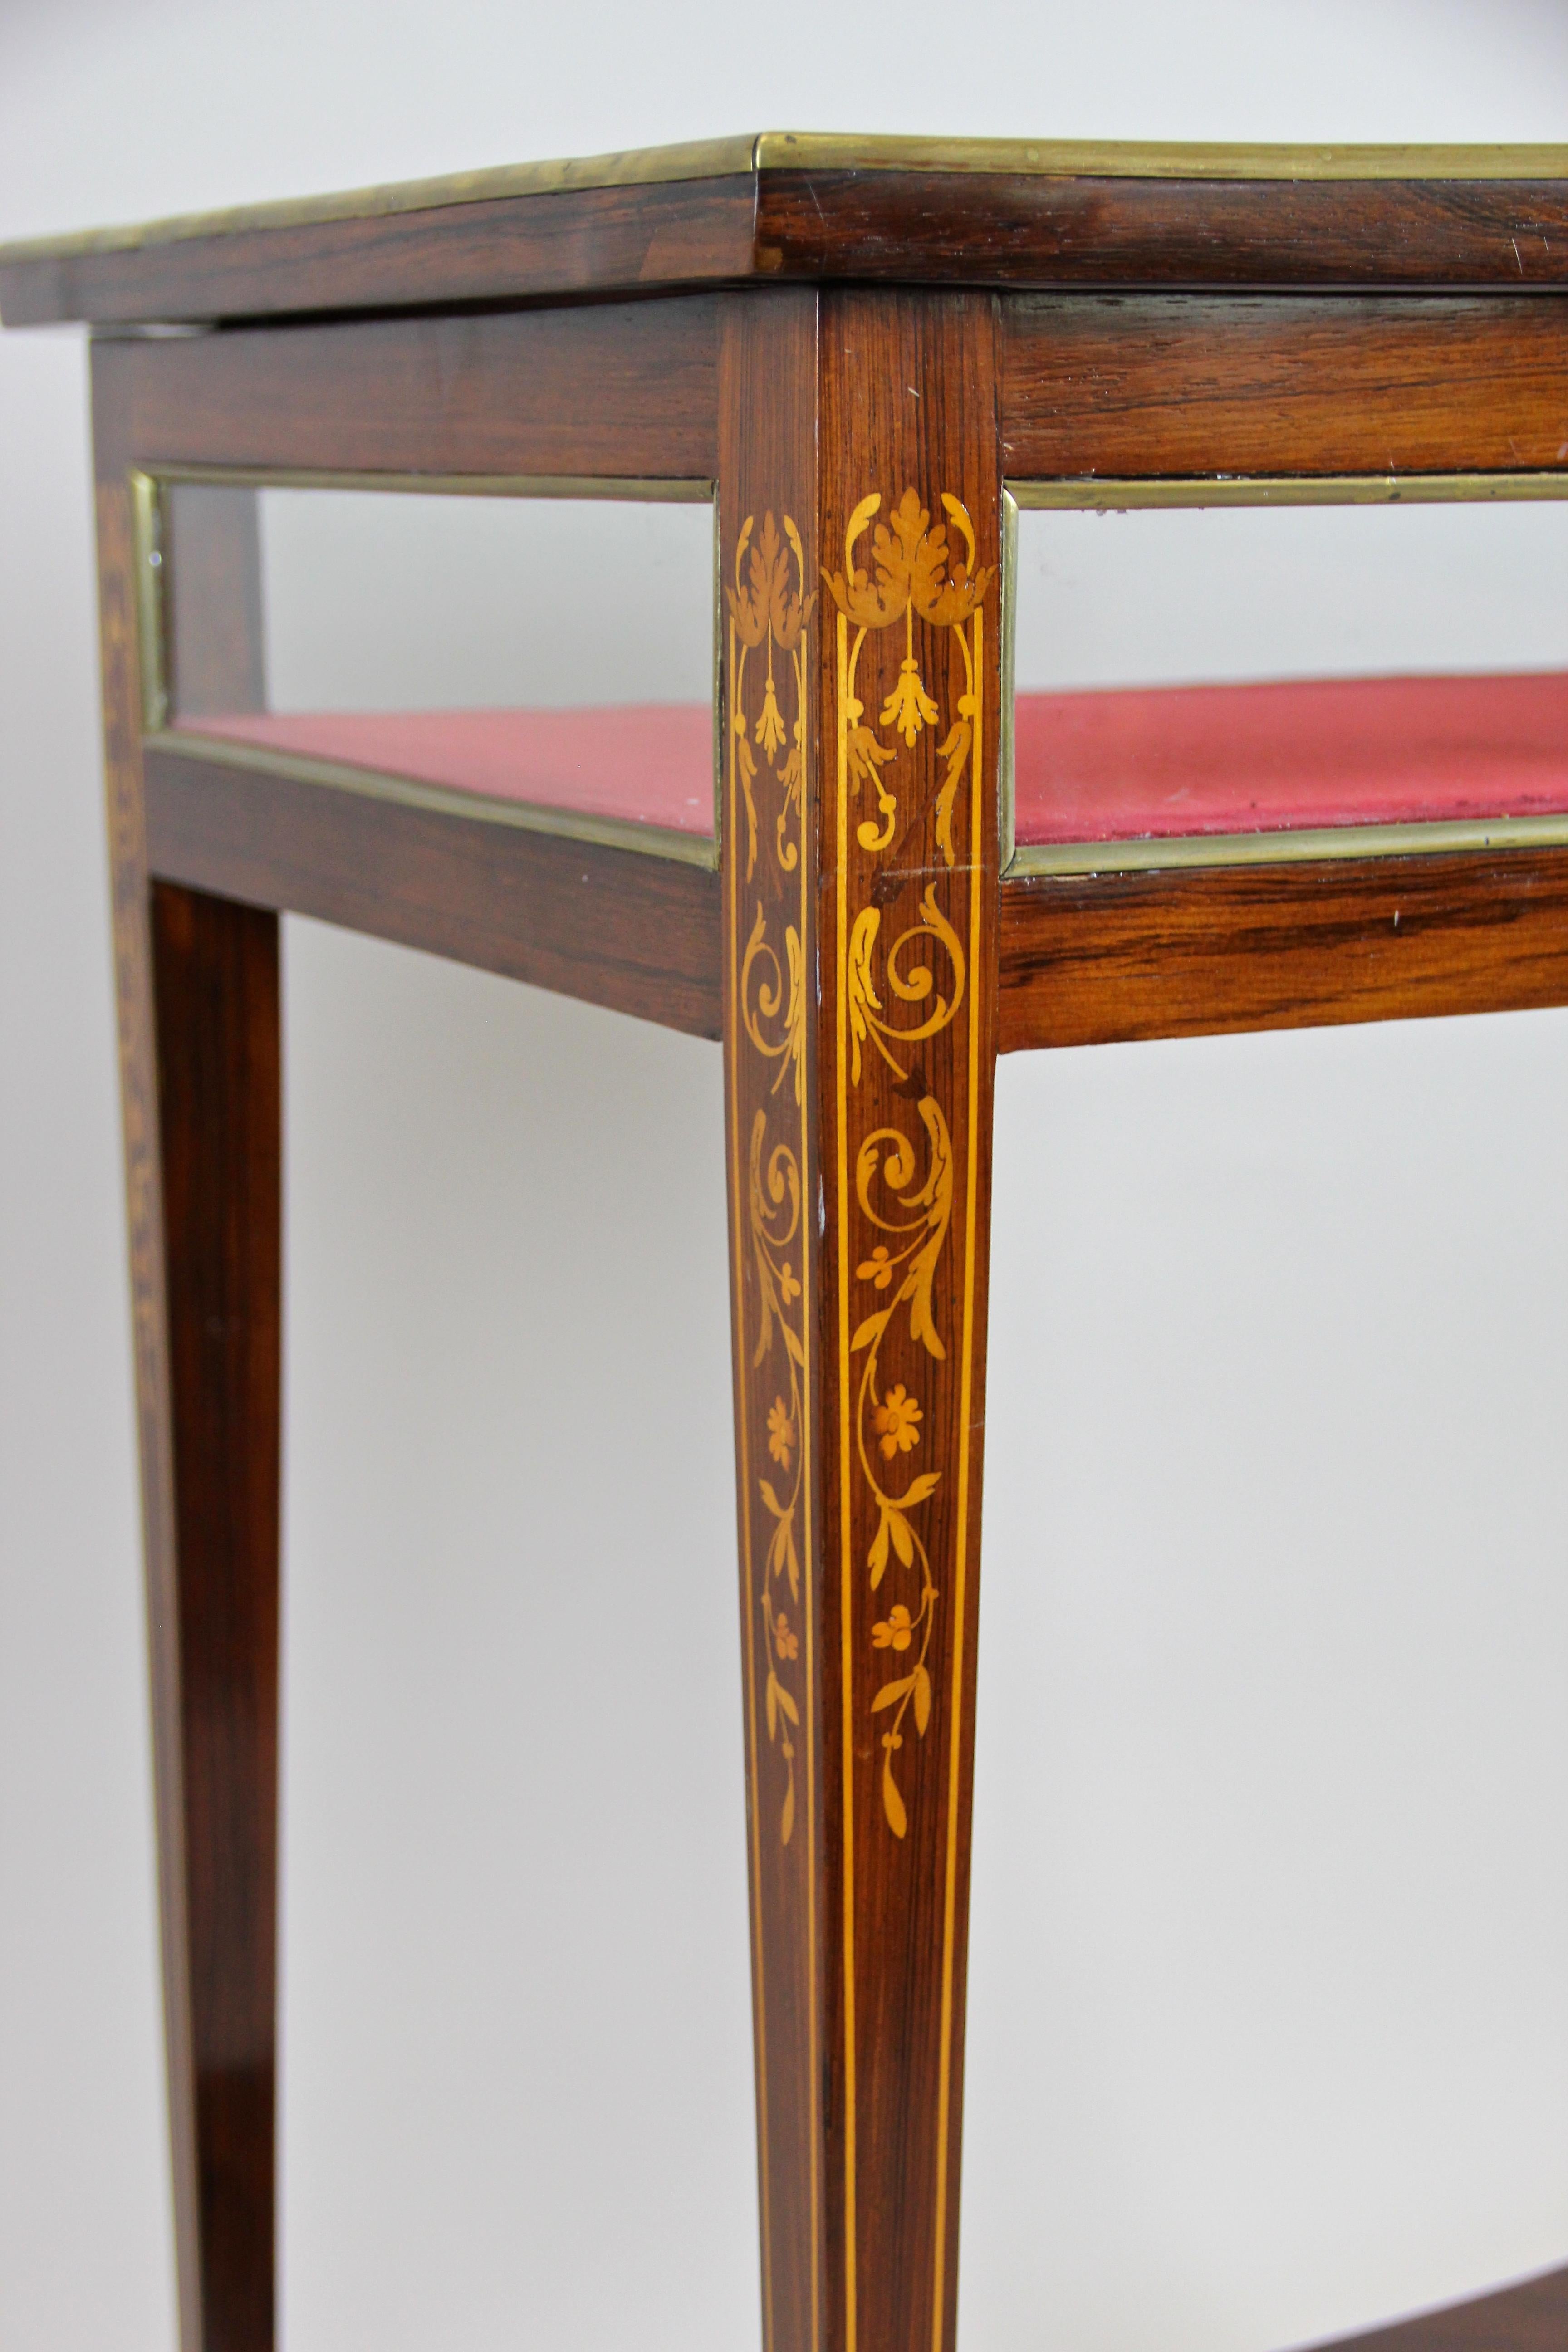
750 155
1301 848
1005 805
1120 494
1086 158
147 486
1187 851
445 800
633 489
147 557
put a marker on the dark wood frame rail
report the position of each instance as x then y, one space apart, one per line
812 324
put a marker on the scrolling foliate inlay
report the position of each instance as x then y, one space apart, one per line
769 610
899 991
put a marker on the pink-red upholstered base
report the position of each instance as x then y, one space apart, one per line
647 764
1167 761
1106 765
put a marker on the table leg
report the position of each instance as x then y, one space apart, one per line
860 511
197 986
215 991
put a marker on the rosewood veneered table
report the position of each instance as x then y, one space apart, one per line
868 354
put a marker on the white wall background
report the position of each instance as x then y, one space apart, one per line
1268 2027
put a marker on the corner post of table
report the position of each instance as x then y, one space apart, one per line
859 528
197 989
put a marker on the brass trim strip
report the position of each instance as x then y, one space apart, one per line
1117 494
147 486
147 561
407 792
634 489
748 154
1004 772
778 150
1187 852
1308 845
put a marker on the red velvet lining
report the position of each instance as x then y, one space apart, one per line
1117 764
1111 765
645 765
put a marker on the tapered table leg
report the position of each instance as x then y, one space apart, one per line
198 985
859 520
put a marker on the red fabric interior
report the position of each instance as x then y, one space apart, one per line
645 765
1120 764
1106 765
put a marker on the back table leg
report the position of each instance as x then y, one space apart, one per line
215 990
198 1002
859 516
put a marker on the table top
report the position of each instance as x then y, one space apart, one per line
780 205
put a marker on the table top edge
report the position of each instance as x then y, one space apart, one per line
758 154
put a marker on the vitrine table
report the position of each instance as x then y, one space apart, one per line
866 349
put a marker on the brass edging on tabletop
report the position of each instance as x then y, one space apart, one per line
1189 851
752 153
1186 851
700 159
147 485
1169 159
442 799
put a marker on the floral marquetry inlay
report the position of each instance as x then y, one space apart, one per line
902 984
769 612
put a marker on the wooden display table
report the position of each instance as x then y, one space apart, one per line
860 345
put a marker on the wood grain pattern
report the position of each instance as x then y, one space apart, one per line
1021 230
908 888
580 241
1531 2317
636 933
768 489
215 991
857 1448
149 1301
1166 384
618 389
197 983
965 227
1097 960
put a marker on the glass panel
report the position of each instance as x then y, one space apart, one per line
1254 670
554 652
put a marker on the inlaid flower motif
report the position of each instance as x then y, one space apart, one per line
789 1288
781 1431
786 1641
897 1422
878 1268
771 726
896 1630
909 706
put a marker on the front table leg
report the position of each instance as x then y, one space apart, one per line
859 508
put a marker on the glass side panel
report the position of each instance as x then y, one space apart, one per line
1237 670
554 652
